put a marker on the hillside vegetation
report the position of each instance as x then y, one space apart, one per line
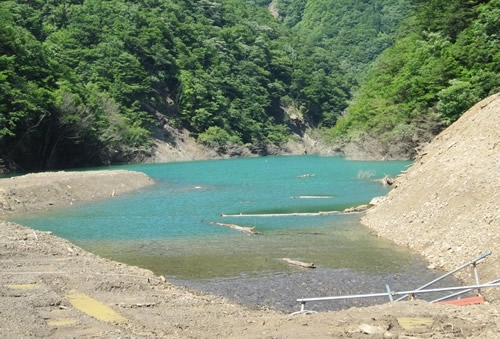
353 32
87 82
84 82
446 60
445 207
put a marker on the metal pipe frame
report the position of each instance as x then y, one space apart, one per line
472 262
421 289
462 292
393 293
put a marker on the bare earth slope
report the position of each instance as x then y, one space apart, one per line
447 205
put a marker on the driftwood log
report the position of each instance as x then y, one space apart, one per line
307 175
270 215
359 208
298 263
248 230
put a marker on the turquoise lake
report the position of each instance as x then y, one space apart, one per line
168 228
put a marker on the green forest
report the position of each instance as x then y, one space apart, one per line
86 82
445 59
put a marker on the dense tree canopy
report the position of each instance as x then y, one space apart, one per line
84 80
447 59
353 32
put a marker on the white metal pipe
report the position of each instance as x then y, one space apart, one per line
472 262
472 287
462 292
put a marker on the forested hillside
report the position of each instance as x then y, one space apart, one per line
446 60
84 82
354 32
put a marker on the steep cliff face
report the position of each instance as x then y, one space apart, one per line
446 206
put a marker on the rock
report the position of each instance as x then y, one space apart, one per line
368 329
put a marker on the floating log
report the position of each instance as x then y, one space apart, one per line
307 175
307 214
248 230
298 263
359 208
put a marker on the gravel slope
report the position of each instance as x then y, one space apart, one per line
447 205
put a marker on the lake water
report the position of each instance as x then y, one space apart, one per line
169 228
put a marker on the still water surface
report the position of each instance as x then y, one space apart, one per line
168 228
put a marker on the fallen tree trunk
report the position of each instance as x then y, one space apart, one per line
359 208
267 215
248 230
298 263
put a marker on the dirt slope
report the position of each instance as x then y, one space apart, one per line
447 205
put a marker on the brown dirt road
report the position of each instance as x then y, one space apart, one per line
52 288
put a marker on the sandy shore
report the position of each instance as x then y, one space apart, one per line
49 190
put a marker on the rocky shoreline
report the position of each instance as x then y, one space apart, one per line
41 272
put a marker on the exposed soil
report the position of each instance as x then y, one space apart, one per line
445 206
171 144
44 191
41 273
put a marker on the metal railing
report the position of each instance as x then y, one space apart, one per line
488 284
390 294
472 262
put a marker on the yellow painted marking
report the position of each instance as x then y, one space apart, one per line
61 322
411 323
22 286
94 308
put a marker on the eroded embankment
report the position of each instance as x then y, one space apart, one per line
447 204
49 190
